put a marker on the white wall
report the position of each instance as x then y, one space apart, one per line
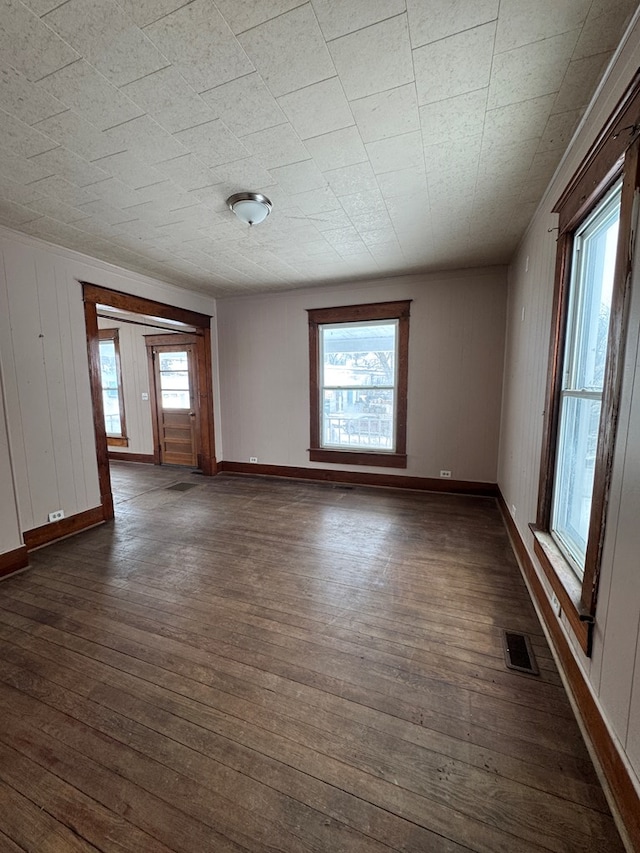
613 672
43 360
455 364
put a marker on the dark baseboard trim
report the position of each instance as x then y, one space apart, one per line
611 763
119 456
66 527
13 561
361 478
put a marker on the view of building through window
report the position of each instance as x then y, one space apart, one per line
358 379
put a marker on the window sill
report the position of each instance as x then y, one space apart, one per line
351 457
117 441
565 585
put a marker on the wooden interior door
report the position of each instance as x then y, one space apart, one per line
176 398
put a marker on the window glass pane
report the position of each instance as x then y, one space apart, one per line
174 380
108 364
579 421
111 403
173 360
359 354
358 419
595 254
176 400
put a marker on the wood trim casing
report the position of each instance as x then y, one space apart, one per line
38 536
95 380
139 305
131 457
399 310
13 561
362 478
620 784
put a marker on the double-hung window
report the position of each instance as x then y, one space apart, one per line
358 371
583 372
111 380
597 215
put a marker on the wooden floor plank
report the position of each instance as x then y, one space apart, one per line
262 665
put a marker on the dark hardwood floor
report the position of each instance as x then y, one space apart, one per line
268 665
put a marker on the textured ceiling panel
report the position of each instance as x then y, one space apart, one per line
391 135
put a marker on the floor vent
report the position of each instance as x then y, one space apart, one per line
181 487
518 653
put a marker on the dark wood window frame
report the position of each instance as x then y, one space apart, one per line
352 314
614 156
114 440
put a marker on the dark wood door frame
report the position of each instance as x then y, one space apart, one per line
94 295
152 341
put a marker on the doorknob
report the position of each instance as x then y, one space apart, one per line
192 414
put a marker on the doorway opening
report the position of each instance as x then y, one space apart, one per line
180 390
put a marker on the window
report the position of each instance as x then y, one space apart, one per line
358 379
111 380
583 370
593 271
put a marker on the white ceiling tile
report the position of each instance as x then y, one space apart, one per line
606 21
403 183
457 157
107 38
22 139
339 17
524 120
56 209
41 7
360 203
387 113
352 179
64 191
432 20
72 131
82 88
30 46
559 130
108 213
316 201
374 59
129 168
23 170
455 118
330 220
60 161
244 175
145 137
144 12
521 22
171 101
580 81
289 51
387 154
276 146
245 105
457 64
199 42
213 142
14 215
24 100
250 13
317 109
337 149
299 177
530 71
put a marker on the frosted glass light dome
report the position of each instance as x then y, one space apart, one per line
250 208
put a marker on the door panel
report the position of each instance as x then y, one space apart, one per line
177 401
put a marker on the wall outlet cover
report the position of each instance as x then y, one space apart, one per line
253 459
56 515
445 474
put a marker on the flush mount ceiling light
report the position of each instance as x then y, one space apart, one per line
250 208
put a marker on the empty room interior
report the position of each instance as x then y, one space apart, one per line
319 426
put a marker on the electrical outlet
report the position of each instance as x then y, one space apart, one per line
557 609
56 515
446 474
253 459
